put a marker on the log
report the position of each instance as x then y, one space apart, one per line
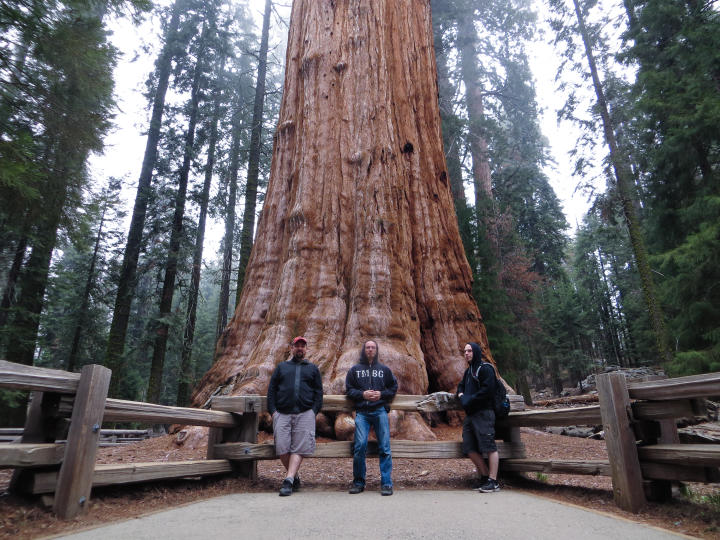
125 432
24 377
622 452
343 449
118 410
694 386
340 403
704 455
589 415
591 467
75 477
106 475
30 455
663 410
679 473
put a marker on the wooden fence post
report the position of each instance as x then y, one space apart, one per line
620 440
245 431
42 425
76 472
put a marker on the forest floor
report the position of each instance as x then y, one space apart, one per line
30 518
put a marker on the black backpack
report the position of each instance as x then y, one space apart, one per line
501 401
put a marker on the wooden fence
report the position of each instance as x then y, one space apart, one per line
641 435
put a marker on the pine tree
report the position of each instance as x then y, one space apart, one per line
171 266
622 173
127 282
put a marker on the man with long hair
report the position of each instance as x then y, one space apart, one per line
476 392
372 386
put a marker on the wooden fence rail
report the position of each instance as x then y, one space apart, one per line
637 469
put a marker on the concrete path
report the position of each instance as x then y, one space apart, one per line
450 515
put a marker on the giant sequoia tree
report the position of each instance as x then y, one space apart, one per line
357 238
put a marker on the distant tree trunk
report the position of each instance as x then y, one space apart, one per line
446 96
357 239
65 163
467 40
8 298
127 282
611 324
80 324
248 227
168 290
623 177
186 371
228 238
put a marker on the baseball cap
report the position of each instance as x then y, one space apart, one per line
299 338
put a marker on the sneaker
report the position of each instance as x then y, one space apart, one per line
286 488
386 490
490 486
479 482
355 489
296 484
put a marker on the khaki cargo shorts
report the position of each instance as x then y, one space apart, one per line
294 433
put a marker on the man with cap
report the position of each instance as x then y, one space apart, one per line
295 396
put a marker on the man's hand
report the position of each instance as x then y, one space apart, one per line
371 395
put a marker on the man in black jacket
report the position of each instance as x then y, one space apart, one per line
295 396
476 392
372 387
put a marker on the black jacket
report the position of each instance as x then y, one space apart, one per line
477 384
295 387
375 376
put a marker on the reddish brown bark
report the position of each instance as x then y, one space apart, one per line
358 237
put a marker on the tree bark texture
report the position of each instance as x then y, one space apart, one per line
358 238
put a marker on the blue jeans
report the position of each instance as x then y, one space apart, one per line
378 419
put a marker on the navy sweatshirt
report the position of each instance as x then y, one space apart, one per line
295 387
375 376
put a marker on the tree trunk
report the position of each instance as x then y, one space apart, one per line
127 283
33 279
357 239
168 290
467 39
624 187
8 298
224 299
186 371
248 227
452 137
79 325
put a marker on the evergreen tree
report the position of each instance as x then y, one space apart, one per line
114 358
72 102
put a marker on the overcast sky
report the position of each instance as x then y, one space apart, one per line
126 144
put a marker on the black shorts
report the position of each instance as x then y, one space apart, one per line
478 433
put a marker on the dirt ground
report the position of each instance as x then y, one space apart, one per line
29 518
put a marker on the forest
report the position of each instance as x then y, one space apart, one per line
86 279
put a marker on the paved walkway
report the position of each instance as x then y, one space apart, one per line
450 515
